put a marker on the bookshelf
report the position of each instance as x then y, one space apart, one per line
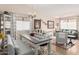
7 27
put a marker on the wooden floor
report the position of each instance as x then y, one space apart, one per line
74 50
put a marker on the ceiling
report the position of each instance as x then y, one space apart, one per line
57 9
46 10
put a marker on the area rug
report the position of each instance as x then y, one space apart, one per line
64 46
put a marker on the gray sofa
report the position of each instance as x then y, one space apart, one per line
71 32
17 47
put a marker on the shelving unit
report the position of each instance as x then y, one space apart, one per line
7 27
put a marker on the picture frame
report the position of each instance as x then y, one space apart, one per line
50 24
37 24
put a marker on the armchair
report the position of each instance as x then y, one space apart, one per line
61 37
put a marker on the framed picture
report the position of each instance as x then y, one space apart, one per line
50 24
37 24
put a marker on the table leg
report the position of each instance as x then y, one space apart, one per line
20 37
36 50
49 48
70 41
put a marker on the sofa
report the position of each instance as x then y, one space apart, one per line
17 47
71 32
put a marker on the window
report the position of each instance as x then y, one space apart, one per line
23 25
70 24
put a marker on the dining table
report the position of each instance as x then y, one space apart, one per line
36 42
